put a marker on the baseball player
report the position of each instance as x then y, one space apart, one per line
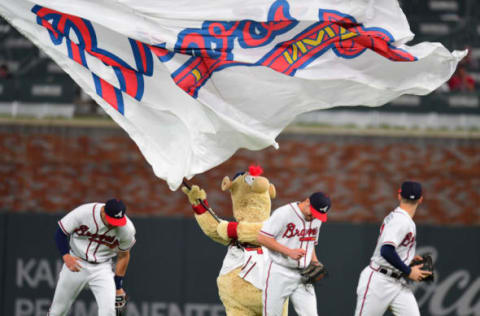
381 284
98 232
290 236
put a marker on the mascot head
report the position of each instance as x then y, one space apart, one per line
251 195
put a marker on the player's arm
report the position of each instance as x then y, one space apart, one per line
314 256
389 253
274 245
123 259
66 227
61 239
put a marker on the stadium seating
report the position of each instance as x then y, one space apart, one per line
34 77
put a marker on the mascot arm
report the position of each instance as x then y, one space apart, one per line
243 231
205 220
209 226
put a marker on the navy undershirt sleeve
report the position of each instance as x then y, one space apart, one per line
62 242
388 252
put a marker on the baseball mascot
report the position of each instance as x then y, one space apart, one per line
240 281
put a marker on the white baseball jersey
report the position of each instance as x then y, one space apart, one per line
91 239
399 230
376 292
290 228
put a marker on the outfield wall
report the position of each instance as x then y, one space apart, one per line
54 166
174 266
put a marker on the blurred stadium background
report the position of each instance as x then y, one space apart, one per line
59 150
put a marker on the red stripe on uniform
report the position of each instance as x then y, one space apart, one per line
296 213
306 248
91 240
389 243
307 238
265 233
266 290
365 295
301 242
130 247
98 245
376 270
249 270
408 252
63 228
245 265
258 250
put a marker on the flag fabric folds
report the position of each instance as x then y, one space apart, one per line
192 82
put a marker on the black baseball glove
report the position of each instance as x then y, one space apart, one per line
313 273
121 304
427 262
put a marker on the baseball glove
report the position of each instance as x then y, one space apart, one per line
427 262
121 304
313 273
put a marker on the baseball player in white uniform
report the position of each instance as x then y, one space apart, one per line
98 232
290 235
382 283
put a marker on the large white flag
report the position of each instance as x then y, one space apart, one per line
192 81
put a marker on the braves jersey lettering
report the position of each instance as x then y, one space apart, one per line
109 241
292 231
290 228
408 240
91 239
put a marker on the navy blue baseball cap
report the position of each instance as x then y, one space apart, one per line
319 205
411 190
115 212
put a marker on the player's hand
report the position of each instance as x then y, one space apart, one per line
72 262
296 254
120 292
417 274
417 258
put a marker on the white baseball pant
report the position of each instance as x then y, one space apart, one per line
376 292
99 277
282 282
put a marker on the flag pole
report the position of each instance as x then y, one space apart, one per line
209 209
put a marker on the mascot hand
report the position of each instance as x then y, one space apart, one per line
195 194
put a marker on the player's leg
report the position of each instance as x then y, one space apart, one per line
103 287
374 294
405 304
68 287
278 287
304 300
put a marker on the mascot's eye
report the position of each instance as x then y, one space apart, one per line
249 179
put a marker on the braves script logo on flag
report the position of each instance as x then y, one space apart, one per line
212 47
130 79
214 43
